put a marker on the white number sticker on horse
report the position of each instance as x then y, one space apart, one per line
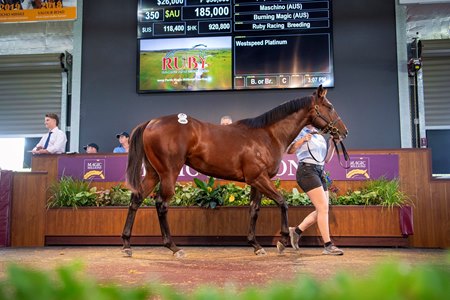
182 118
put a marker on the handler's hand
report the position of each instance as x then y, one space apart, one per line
307 137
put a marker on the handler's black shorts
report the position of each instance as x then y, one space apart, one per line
310 176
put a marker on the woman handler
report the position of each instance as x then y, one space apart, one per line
311 151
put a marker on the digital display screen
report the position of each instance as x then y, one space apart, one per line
205 45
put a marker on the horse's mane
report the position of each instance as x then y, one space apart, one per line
276 114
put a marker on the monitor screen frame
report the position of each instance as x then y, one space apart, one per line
190 63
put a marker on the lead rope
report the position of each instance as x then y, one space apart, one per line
310 153
344 152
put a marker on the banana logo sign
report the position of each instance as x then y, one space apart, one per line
94 173
357 172
359 168
94 169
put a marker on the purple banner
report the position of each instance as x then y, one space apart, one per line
364 167
361 167
6 191
112 168
93 167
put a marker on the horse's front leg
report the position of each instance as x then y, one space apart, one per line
281 203
281 244
266 187
136 201
255 203
162 207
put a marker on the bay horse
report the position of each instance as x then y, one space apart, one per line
248 150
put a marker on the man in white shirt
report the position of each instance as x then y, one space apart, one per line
54 142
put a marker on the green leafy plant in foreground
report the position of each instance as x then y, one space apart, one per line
385 281
65 283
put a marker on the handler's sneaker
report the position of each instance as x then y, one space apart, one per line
295 238
332 250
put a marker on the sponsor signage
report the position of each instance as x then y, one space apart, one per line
105 168
112 168
360 167
37 10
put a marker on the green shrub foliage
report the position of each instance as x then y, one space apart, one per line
376 192
65 283
73 193
386 281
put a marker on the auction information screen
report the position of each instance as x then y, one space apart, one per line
194 45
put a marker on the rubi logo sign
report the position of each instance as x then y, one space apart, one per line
185 59
183 63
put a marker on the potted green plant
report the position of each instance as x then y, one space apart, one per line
381 191
208 196
78 193
68 192
371 212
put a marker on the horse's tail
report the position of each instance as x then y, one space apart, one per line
136 155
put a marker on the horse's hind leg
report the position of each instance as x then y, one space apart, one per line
148 184
167 190
136 201
255 202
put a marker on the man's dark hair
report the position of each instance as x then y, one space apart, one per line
54 117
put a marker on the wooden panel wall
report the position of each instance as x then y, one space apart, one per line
46 163
431 197
28 209
225 221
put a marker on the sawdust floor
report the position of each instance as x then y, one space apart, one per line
216 266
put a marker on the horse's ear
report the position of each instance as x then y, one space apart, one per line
321 92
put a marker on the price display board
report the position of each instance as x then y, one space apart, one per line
203 45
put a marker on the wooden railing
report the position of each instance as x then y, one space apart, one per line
431 198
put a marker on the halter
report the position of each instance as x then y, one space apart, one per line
330 128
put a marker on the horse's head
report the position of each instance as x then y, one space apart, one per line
324 117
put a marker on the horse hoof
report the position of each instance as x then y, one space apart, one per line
180 254
280 247
127 252
260 252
